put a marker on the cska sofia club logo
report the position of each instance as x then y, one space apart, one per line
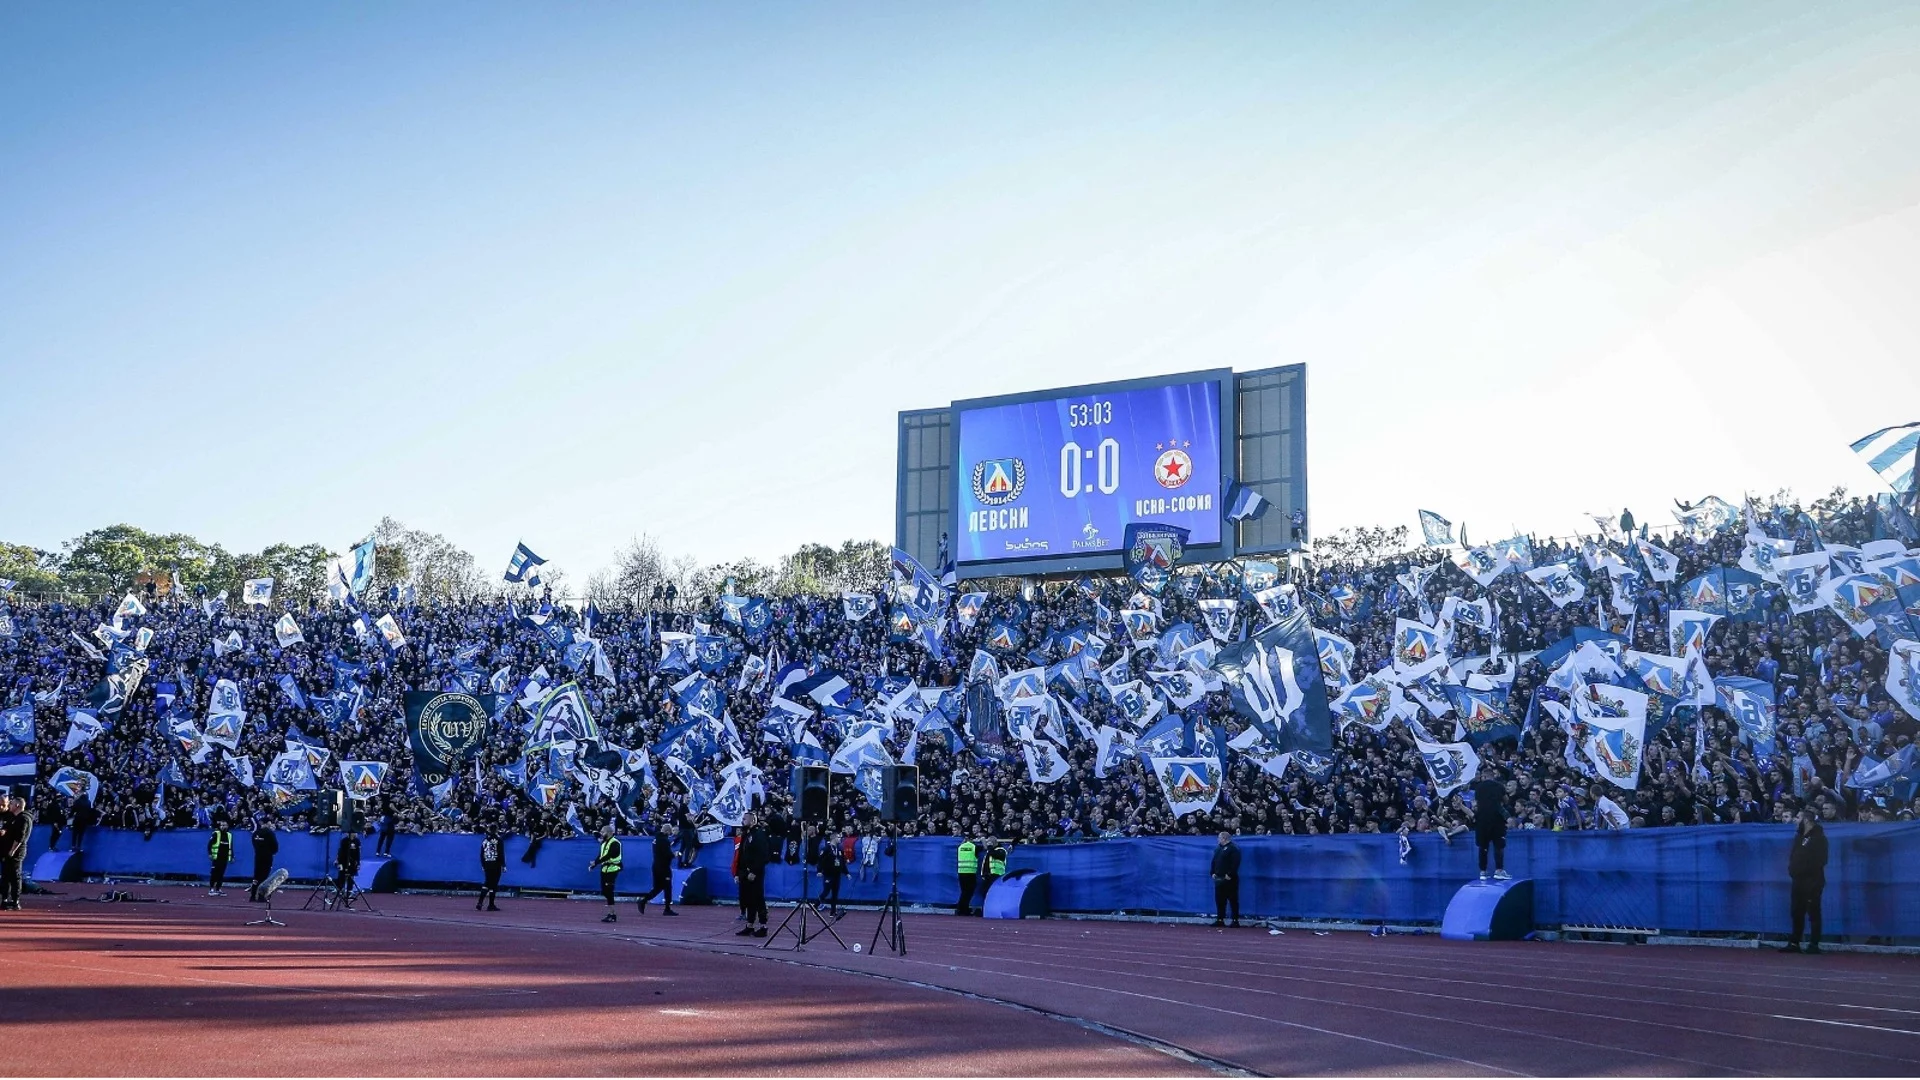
999 481
1173 467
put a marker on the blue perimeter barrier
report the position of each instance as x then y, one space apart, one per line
1715 878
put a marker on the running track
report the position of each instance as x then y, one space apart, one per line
432 987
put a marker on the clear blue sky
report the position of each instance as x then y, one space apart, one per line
570 273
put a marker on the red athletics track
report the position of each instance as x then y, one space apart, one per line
431 986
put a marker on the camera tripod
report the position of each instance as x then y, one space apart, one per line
801 909
891 926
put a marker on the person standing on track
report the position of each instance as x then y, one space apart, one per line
219 851
265 846
1807 869
755 853
1225 871
16 825
662 872
608 863
347 863
832 865
1490 825
969 856
996 869
493 860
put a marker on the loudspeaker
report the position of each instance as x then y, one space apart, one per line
332 810
811 796
899 793
349 813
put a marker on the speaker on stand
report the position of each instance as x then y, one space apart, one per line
899 802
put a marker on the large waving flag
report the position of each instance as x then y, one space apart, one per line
82 727
1903 676
1661 565
362 779
525 567
258 591
1803 578
1191 784
1751 704
1436 530
16 729
1452 765
74 783
1616 735
1894 453
1558 583
286 631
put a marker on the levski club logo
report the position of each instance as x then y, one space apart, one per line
999 481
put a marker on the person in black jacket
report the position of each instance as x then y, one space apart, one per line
16 827
1490 825
1807 869
832 864
1225 872
493 860
662 872
755 853
347 863
265 846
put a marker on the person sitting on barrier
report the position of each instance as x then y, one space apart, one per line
219 851
1490 824
347 864
608 863
1225 871
1807 870
662 872
16 826
493 860
266 844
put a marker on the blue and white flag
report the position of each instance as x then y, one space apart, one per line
1244 503
1414 644
1803 578
1436 530
1191 784
242 767
1874 772
130 608
1483 564
676 652
362 779
1661 565
1451 765
1903 676
856 606
1558 583
286 631
1688 630
257 591
82 727
1044 763
390 632
357 568
16 729
1751 704
525 567
1726 591
1616 731
1481 715
968 608
1893 453
74 783
293 771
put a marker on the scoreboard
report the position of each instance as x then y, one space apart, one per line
1065 473
1048 481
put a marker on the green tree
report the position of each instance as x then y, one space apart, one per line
33 571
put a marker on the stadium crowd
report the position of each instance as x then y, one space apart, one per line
1835 716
